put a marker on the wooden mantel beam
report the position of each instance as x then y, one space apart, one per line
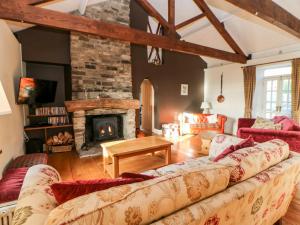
106 103
13 10
271 12
219 26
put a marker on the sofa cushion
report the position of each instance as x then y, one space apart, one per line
248 142
250 161
221 142
66 191
278 119
212 118
223 154
137 175
287 124
144 202
11 183
262 123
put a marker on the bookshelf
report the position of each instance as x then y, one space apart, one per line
46 122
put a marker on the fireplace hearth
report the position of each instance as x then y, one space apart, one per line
101 120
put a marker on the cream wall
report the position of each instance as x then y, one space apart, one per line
11 126
233 88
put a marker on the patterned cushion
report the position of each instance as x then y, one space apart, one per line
250 161
159 197
221 142
28 160
181 166
262 123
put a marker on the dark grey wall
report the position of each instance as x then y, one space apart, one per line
177 69
49 72
47 55
47 45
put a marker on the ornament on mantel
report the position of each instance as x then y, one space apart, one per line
221 98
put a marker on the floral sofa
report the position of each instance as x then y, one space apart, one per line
250 186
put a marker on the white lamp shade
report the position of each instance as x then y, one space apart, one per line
205 105
4 105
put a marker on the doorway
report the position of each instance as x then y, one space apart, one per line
147 106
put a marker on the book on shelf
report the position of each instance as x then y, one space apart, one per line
61 120
50 111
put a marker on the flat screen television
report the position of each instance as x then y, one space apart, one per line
35 91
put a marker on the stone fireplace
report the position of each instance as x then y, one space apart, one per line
99 120
101 68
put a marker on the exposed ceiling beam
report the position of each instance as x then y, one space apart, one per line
13 10
271 12
171 13
35 2
82 6
151 11
219 26
189 21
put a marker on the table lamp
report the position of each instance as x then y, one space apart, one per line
4 105
205 106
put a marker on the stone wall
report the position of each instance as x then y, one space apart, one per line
102 66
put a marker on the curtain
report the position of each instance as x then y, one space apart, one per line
249 87
296 90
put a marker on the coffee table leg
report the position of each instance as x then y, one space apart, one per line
105 156
115 167
168 155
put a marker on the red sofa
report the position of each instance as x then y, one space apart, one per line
263 135
195 123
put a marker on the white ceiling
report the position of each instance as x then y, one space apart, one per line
252 34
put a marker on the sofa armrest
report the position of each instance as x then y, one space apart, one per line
36 199
221 122
245 122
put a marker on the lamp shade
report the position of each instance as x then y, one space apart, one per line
4 105
205 105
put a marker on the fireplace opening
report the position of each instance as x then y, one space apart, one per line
103 128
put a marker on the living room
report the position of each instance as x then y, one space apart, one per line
191 106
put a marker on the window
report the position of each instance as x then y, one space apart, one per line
277 91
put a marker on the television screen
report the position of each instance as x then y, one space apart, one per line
35 91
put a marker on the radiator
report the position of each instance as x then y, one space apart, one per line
6 215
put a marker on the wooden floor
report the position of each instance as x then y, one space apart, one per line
71 167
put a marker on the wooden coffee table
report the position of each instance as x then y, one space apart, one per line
114 151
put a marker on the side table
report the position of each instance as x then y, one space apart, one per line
171 130
206 139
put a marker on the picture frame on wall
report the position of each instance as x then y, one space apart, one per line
184 91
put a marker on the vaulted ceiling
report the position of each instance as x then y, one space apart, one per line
252 34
